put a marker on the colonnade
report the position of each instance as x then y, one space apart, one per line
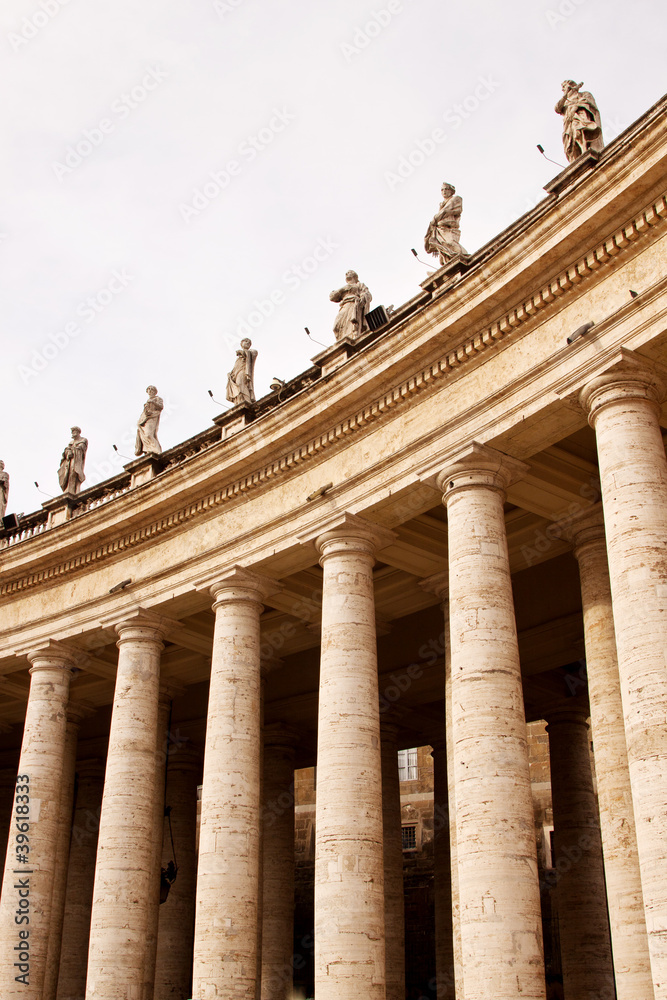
489 933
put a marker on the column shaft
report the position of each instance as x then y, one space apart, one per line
161 745
173 975
119 966
75 714
278 869
349 876
442 864
225 949
26 907
624 408
632 967
394 896
80 879
500 914
580 889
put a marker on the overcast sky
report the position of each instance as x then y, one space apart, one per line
169 166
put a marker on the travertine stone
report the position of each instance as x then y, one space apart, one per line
161 744
118 957
349 896
442 872
500 916
4 489
173 973
582 127
443 237
278 864
225 949
355 300
72 462
80 879
623 407
449 971
632 967
41 769
394 900
580 889
75 715
241 379
148 423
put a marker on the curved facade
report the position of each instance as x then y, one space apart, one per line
447 528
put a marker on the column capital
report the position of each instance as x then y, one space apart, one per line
573 716
437 584
280 737
478 465
345 532
238 584
169 689
630 378
77 711
185 757
54 655
92 768
585 528
138 624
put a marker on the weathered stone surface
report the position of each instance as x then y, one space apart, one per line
617 819
623 407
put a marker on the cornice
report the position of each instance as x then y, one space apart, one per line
539 304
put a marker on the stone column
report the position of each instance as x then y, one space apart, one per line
449 970
278 867
161 749
80 878
225 948
7 788
442 865
394 895
119 963
623 407
75 715
580 889
28 887
173 976
617 820
501 932
349 896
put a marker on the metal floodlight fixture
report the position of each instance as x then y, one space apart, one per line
118 453
42 491
312 338
10 522
580 332
216 401
316 494
276 384
429 266
541 149
633 293
120 586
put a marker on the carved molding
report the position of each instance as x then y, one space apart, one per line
653 215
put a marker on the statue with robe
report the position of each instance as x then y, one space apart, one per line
354 299
443 236
4 489
147 425
241 379
582 127
70 473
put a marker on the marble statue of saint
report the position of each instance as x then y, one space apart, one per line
241 379
70 473
582 127
147 425
354 299
4 489
443 236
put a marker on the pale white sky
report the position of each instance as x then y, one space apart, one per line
115 273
